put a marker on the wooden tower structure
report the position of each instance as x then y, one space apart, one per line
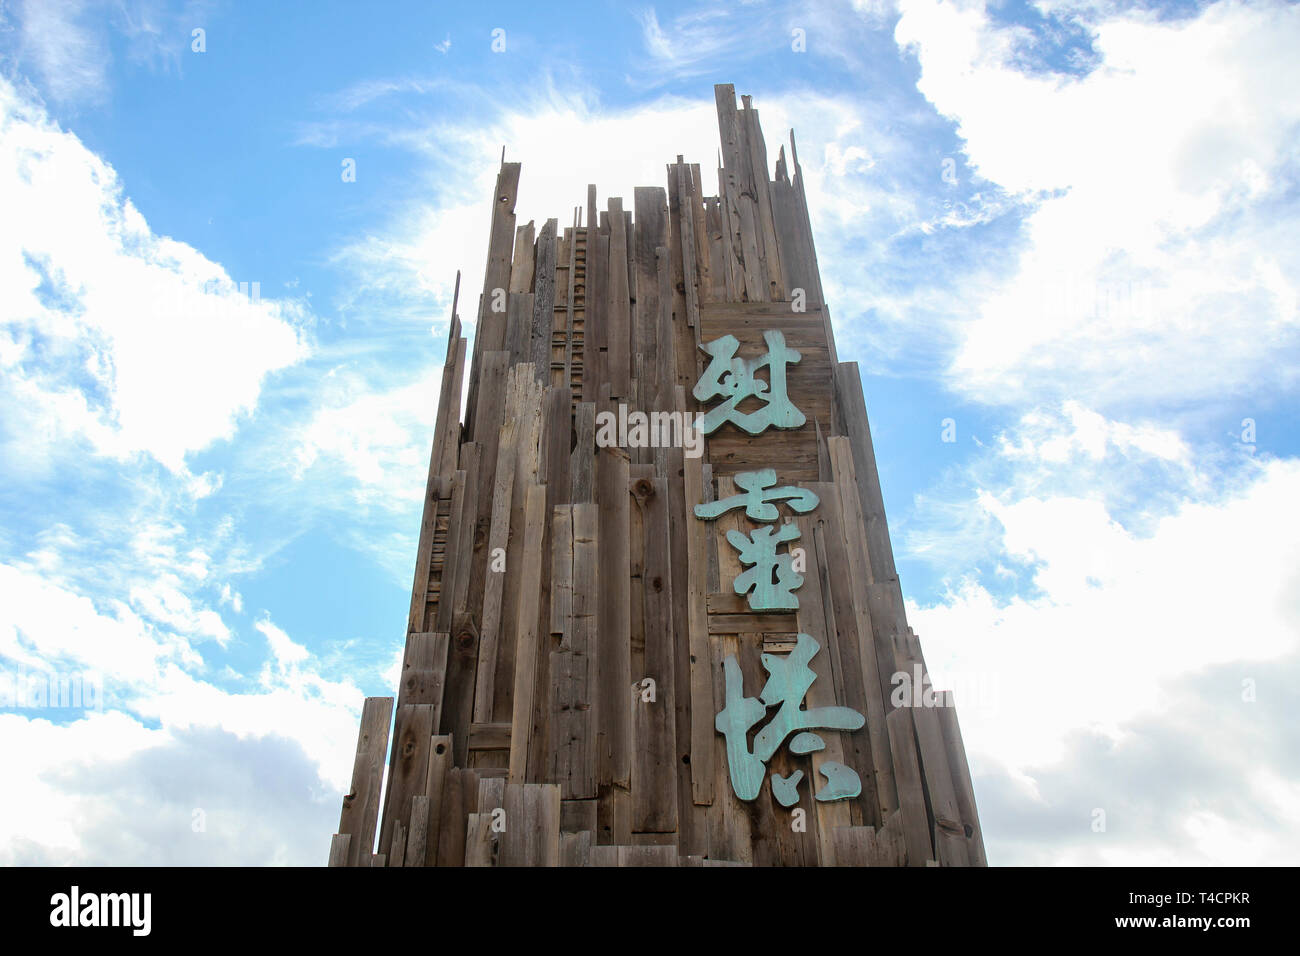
655 617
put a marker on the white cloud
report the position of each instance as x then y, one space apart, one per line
380 436
1086 667
1154 265
283 648
131 341
66 43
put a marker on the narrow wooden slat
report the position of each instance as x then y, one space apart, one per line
961 778
435 788
618 313
462 556
490 329
544 303
417 838
651 217
701 685
360 815
613 654
596 357
687 209
523 410
542 810
765 226
736 190
529 645
729 832
944 812
519 326
907 775
573 667
397 855
521 269
460 798
654 767
582 462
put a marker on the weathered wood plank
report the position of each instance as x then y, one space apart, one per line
654 767
769 250
575 848
573 666
613 630
530 642
360 815
339 849
523 410
544 303
618 328
460 798
701 677
408 767
582 462
417 838
907 776
489 333
961 778
435 787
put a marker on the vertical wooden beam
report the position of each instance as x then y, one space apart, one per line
489 331
654 767
435 788
544 303
961 777
360 814
702 700
907 775
613 632
518 438
618 327
530 643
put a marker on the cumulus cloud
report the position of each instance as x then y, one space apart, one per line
107 791
1160 200
129 341
1092 666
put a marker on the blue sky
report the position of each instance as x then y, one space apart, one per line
1069 227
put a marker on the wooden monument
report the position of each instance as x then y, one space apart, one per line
655 618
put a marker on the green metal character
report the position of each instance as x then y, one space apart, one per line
788 682
759 493
759 549
735 380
